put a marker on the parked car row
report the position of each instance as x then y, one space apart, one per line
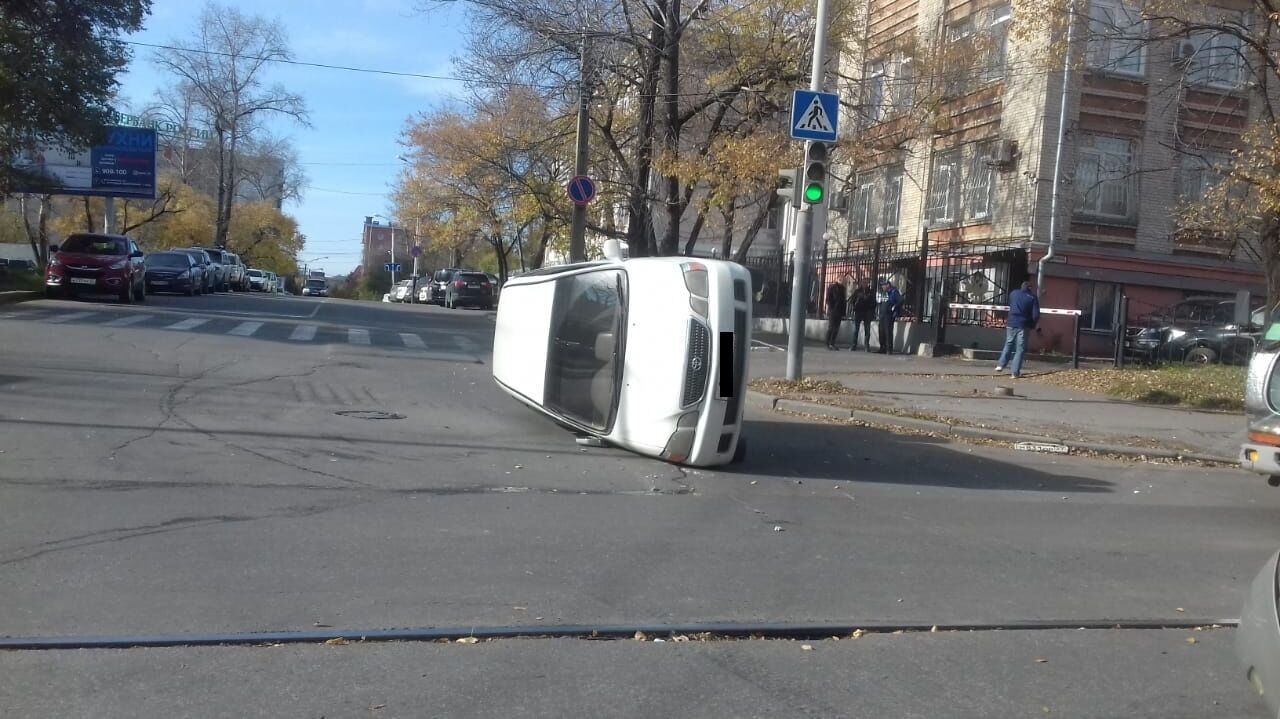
93 263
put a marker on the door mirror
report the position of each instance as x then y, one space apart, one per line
136 253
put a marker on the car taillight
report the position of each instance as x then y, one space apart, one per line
459 284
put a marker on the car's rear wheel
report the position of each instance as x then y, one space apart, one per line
142 291
1201 355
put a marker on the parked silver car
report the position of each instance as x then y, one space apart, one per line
1261 451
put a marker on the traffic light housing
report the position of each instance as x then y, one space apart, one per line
815 174
789 185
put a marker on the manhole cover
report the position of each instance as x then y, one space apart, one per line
368 414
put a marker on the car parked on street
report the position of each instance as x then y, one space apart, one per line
206 267
273 283
18 266
441 278
236 278
424 291
93 263
466 288
315 288
219 272
1198 330
257 279
402 290
173 272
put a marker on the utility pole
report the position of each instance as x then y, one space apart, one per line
804 220
578 233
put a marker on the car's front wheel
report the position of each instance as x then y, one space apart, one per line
126 294
1201 355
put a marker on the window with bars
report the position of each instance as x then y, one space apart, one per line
942 200
860 215
1105 179
997 44
1201 171
891 200
873 85
977 184
1117 35
1215 59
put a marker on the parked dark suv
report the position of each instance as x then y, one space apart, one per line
1198 330
441 278
468 288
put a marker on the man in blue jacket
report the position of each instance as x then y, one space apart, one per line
1024 314
888 311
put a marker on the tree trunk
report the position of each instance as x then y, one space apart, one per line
540 251
38 236
224 222
726 239
757 222
88 215
694 233
639 222
671 126
222 184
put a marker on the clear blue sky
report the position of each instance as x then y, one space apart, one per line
356 118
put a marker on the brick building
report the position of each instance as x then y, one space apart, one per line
1146 123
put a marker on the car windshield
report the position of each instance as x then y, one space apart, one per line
215 255
470 277
95 245
315 284
168 259
255 273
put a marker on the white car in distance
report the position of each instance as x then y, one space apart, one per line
664 376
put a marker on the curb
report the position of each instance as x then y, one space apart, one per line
761 400
14 296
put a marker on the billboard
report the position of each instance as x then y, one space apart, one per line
122 164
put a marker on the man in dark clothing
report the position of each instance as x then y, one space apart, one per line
862 306
890 308
835 312
1024 314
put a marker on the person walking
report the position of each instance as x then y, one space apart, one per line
1024 314
889 309
862 307
835 311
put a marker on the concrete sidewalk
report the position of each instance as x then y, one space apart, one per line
967 394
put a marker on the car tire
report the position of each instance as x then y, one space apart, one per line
141 294
190 291
487 306
1200 355
126 295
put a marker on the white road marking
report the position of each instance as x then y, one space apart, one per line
357 336
127 320
245 329
303 333
71 317
187 324
411 340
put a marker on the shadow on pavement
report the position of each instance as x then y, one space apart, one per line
791 450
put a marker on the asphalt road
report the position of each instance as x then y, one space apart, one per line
192 466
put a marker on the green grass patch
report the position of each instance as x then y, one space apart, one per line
32 281
1216 387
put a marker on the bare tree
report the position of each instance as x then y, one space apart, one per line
225 63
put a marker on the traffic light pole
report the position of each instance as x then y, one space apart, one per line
802 259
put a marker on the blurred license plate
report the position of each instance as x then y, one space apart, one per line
159 282
83 281
473 284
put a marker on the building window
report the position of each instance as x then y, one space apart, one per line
997 44
1201 171
1097 304
1215 59
860 215
891 200
1117 37
944 183
958 77
977 184
1105 180
904 90
873 93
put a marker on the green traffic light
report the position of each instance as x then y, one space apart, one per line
813 193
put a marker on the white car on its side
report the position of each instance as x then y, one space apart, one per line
665 376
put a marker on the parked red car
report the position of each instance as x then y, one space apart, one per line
92 263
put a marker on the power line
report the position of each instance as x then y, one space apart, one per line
349 192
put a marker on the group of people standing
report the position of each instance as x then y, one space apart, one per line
863 306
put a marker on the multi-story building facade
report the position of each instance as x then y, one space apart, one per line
959 134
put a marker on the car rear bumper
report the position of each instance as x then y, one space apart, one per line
1260 458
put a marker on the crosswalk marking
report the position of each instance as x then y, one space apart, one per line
127 320
357 336
74 316
411 340
245 329
187 324
464 344
303 333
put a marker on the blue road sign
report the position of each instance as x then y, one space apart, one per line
392 267
581 189
416 251
814 115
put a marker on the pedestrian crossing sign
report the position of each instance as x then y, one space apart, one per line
814 115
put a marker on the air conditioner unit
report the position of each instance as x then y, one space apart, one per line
1003 154
839 202
1184 50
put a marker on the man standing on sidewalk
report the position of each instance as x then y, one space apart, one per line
863 308
1024 314
890 307
835 312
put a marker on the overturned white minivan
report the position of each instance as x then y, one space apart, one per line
648 354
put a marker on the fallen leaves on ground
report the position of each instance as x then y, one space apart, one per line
337 641
774 385
1214 387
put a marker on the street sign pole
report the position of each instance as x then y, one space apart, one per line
578 231
804 221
